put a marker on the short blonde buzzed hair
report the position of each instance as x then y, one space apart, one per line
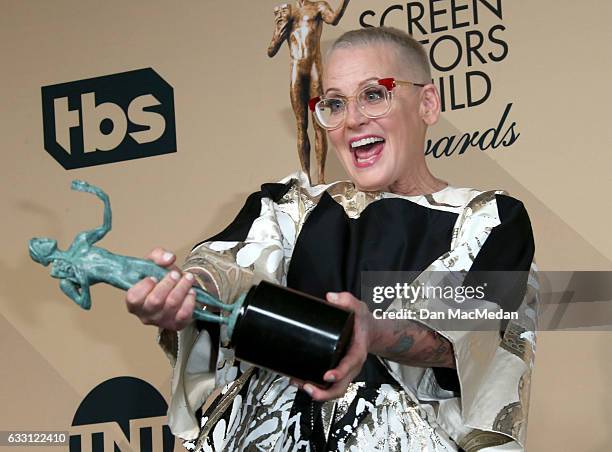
409 49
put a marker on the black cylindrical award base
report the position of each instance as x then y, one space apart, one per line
291 333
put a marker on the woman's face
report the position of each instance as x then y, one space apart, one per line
399 136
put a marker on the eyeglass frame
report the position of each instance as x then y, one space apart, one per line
389 83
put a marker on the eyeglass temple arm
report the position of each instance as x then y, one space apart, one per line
391 83
401 82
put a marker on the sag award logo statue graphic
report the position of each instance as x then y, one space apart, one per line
300 25
270 326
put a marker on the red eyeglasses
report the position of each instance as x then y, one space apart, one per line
374 101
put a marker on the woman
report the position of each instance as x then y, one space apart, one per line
404 384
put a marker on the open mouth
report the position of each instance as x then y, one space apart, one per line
366 151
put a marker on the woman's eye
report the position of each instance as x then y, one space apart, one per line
372 95
335 105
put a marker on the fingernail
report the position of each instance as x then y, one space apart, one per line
332 296
191 292
189 276
167 256
331 378
308 389
154 279
175 275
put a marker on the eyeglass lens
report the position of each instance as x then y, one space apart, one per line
374 101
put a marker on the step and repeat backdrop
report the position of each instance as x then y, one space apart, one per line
176 110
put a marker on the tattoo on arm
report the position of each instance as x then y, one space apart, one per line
416 345
402 345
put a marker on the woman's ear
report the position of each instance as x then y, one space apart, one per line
430 104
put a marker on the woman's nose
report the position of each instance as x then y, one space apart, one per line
354 115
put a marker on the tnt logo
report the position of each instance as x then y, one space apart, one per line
121 414
109 119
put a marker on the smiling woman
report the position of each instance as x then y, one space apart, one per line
404 385
392 67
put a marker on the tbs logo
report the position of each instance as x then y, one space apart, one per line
109 119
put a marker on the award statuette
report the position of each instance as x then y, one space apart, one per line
269 326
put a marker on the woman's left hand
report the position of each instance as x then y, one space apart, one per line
350 366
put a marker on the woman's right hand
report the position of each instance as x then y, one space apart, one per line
168 303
